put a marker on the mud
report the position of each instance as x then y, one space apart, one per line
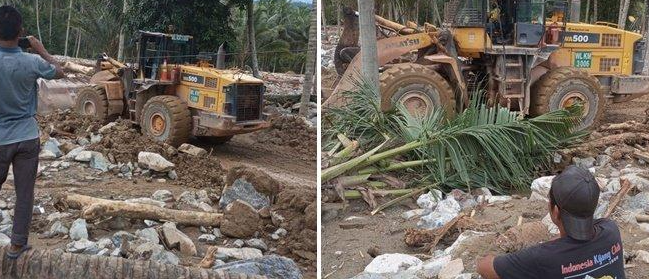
297 207
67 124
293 132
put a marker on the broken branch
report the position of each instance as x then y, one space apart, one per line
626 186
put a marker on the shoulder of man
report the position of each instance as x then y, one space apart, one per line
527 262
42 68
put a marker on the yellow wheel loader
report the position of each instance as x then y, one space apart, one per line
174 94
521 54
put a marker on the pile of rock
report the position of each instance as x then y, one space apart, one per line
240 245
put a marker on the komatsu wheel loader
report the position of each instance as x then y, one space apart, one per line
523 54
174 94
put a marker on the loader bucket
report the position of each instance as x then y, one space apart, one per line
58 94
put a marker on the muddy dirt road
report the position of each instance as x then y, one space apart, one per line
281 163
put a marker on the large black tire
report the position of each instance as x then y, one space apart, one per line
563 87
93 101
215 140
419 88
167 119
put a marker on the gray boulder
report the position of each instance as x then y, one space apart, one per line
273 267
245 191
79 229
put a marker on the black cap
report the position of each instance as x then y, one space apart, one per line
576 193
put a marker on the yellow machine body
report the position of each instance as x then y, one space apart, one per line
600 49
204 88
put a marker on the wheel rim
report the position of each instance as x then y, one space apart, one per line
417 103
574 98
89 108
158 124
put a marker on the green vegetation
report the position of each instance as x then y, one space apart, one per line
423 11
479 147
281 27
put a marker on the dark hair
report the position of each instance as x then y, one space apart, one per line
11 23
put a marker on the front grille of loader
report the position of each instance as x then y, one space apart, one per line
248 102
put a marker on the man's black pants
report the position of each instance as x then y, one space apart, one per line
23 156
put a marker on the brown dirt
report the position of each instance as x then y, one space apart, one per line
68 122
124 141
302 239
293 132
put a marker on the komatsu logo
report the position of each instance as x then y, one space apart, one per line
580 38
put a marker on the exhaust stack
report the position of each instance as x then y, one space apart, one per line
220 58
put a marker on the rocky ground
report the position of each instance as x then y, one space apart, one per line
265 188
398 242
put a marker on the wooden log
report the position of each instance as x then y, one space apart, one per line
402 29
616 139
38 263
641 154
630 126
644 218
74 67
626 186
93 208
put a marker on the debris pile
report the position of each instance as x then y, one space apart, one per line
291 131
243 231
283 83
119 148
455 228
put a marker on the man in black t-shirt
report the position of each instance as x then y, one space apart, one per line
586 248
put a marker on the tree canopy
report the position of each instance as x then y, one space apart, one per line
281 27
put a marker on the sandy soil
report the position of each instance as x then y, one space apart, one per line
348 233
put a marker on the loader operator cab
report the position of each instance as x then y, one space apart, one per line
509 22
154 49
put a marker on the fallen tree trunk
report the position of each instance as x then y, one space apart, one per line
74 67
628 138
93 208
630 126
38 263
644 218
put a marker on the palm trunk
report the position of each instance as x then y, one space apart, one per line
39 263
76 53
324 22
38 22
587 18
436 14
251 39
310 61
369 57
624 11
339 10
51 9
67 31
645 30
120 49
594 10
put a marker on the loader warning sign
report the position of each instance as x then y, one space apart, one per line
583 59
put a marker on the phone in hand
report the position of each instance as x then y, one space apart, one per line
24 43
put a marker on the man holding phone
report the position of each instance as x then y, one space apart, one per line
19 135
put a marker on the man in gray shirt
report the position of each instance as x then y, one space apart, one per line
19 135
